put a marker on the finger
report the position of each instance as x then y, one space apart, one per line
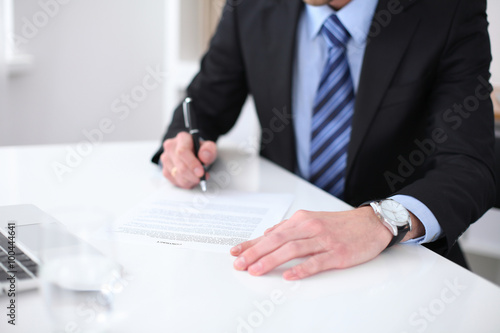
238 249
292 222
169 146
289 251
274 227
267 244
184 154
208 152
170 161
296 219
165 157
166 162
178 177
184 177
313 265
184 139
174 178
167 168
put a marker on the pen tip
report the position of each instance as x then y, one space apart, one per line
203 185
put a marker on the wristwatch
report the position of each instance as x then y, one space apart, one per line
394 216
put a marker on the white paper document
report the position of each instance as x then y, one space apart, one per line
193 219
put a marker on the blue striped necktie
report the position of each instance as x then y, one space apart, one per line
332 113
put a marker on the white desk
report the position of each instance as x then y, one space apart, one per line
406 289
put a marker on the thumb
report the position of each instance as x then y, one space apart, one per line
208 152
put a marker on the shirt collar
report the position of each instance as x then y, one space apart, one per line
356 17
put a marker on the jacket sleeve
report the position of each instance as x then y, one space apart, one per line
459 184
220 89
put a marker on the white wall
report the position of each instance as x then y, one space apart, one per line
87 53
3 83
494 29
3 74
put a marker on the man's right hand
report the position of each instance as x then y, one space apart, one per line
180 165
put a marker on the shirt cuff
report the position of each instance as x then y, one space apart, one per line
432 228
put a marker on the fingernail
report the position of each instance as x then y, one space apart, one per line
198 172
236 250
255 269
240 263
290 274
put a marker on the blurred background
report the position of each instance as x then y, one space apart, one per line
113 70
72 63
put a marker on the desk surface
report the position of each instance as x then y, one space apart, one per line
406 289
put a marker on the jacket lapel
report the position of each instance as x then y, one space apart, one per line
280 23
383 55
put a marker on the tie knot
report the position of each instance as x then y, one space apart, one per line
335 33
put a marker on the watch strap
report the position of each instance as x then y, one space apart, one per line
402 231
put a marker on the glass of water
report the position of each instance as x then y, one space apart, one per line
79 282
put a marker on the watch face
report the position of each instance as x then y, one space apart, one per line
395 212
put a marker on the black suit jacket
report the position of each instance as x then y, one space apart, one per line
423 120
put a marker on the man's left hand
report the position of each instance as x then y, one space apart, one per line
329 240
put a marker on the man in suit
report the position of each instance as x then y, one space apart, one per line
369 99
